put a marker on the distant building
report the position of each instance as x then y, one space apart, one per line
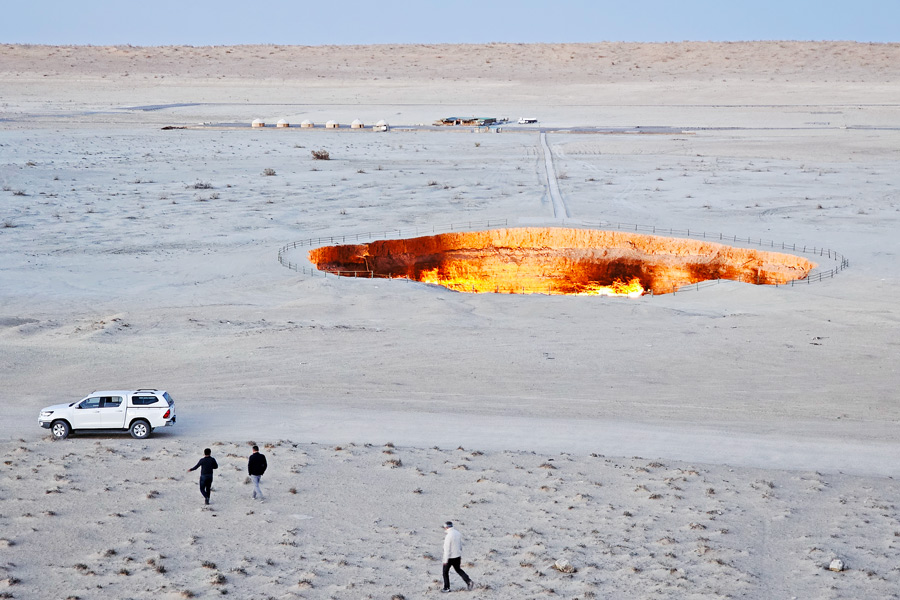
306 124
331 125
257 123
468 121
282 123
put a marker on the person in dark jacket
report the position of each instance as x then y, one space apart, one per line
256 466
206 465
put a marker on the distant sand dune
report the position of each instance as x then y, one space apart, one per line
600 62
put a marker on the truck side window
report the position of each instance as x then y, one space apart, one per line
143 400
91 403
111 401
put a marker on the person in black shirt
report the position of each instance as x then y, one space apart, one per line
256 466
206 465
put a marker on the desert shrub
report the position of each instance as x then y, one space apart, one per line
321 155
268 172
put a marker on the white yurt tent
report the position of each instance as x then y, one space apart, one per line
257 123
282 123
356 124
306 124
381 126
331 125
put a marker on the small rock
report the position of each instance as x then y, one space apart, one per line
836 565
563 566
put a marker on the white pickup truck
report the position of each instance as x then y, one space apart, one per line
135 411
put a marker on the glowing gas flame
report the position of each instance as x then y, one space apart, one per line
631 289
558 261
441 276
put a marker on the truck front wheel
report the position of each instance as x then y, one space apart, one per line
139 429
60 430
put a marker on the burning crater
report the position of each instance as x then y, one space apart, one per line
559 261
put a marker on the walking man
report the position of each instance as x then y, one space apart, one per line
453 557
256 466
206 465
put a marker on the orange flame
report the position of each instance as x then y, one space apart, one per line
558 261
630 289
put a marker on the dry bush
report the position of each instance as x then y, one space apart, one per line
268 172
321 155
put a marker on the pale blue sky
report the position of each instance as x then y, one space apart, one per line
320 22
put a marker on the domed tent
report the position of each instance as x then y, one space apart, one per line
306 124
331 125
282 123
381 126
356 124
257 123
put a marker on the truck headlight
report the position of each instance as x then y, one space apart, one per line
45 414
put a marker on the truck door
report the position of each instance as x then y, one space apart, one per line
112 412
87 414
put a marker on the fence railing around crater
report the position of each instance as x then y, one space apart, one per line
816 275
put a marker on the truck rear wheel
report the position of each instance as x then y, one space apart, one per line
60 430
139 429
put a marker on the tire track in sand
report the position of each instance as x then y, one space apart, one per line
559 206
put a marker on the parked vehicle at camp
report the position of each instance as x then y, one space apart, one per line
138 412
527 120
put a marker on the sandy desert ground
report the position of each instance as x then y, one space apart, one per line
722 442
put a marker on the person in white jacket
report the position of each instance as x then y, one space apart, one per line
453 557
